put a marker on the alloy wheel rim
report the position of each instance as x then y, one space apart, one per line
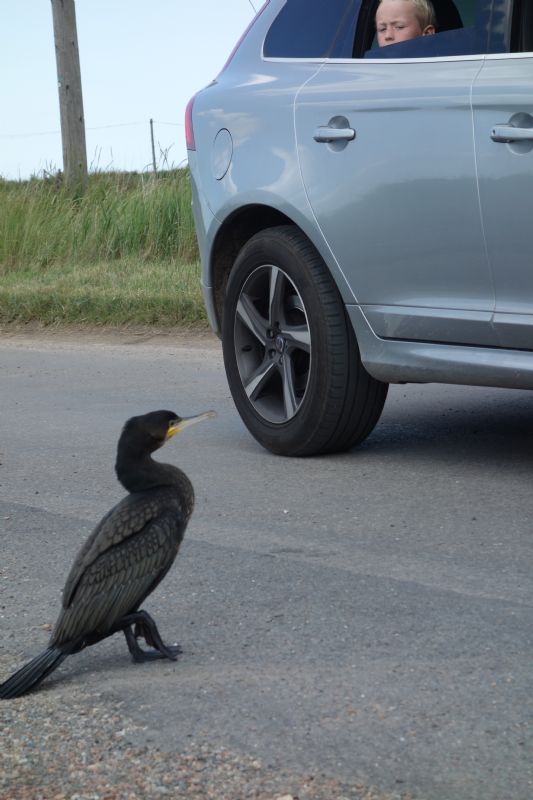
272 344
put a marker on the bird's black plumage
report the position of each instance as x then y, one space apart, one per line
125 557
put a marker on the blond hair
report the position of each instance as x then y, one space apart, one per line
424 11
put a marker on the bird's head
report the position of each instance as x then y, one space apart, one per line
149 432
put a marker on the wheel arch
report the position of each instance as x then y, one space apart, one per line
232 235
243 223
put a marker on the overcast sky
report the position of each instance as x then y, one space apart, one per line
140 59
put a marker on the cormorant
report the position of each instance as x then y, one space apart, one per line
128 553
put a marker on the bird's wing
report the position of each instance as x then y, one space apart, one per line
129 517
118 580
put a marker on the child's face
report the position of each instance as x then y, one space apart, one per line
396 22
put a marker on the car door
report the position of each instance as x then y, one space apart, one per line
387 158
503 122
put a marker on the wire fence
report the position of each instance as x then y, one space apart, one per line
28 135
161 156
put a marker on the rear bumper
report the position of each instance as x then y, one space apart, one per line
206 225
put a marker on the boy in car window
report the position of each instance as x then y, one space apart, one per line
399 20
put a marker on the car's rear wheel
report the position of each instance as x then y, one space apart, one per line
290 353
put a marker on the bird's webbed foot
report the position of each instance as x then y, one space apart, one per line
141 625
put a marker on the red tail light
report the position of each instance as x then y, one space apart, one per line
189 131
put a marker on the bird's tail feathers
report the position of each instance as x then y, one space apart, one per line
32 673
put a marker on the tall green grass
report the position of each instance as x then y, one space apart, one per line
120 215
124 251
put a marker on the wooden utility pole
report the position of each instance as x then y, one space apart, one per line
154 163
70 95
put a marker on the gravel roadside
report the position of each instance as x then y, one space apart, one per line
57 747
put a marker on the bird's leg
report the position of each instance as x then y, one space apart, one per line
137 653
145 626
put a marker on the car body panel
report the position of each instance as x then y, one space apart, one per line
503 95
272 182
388 201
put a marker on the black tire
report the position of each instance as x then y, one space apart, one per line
291 357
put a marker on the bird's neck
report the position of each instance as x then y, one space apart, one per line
141 473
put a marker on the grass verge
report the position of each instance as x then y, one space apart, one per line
124 252
107 293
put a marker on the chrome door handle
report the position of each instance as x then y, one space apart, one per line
327 134
510 133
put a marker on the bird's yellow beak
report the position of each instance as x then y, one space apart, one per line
179 425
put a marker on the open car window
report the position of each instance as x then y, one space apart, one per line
462 29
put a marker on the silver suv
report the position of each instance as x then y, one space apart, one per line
364 213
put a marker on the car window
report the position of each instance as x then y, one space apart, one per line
462 29
305 29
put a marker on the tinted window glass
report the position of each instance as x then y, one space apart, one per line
313 29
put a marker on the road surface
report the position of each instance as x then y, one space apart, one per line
365 616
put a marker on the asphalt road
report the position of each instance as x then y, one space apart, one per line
366 616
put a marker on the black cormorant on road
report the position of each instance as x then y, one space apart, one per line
125 557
